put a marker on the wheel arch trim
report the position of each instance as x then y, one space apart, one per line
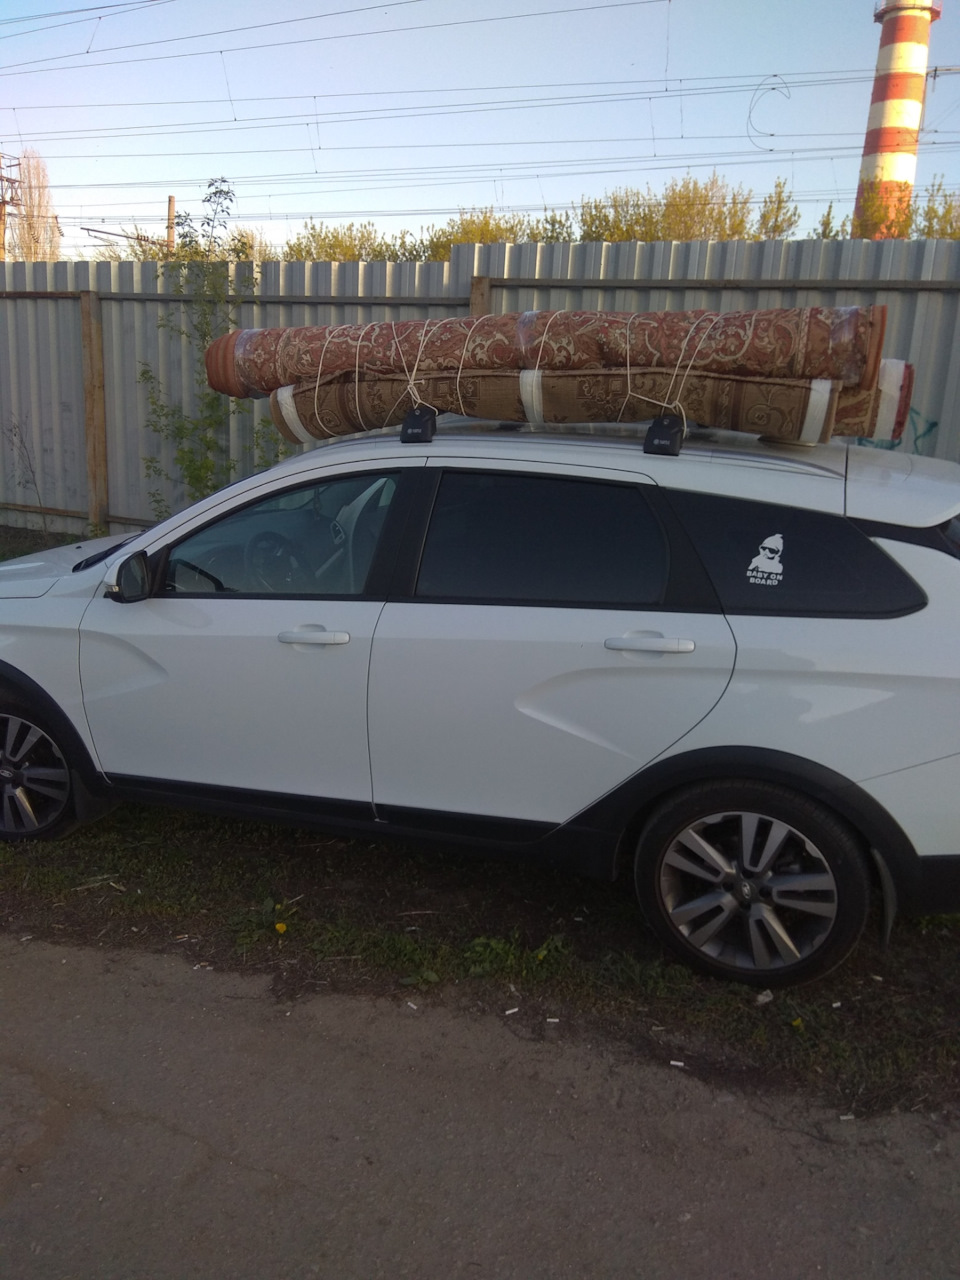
15 684
627 807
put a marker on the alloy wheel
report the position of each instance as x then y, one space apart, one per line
748 890
34 779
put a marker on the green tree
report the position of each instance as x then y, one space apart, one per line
553 228
623 214
687 209
830 230
319 243
204 275
778 218
938 217
470 226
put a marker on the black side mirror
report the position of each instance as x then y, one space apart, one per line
133 580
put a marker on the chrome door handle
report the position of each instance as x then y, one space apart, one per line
650 644
313 635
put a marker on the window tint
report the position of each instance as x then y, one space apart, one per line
772 559
542 540
316 540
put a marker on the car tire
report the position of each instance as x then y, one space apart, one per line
37 799
752 882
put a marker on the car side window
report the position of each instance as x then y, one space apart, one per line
499 537
315 540
765 558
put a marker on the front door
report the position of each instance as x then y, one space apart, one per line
248 666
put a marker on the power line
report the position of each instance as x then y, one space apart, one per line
456 146
98 10
686 84
228 31
399 113
647 165
479 171
851 137
13 69
64 13
431 211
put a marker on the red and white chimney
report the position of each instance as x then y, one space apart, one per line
889 164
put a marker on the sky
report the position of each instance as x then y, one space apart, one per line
402 113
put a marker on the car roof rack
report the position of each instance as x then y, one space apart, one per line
664 435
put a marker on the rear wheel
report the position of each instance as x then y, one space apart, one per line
36 790
752 882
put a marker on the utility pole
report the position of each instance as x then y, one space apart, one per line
9 197
171 222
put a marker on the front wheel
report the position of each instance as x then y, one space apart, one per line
752 882
36 792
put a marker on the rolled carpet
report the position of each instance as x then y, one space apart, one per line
792 410
838 344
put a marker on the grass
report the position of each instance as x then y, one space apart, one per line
24 542
322 914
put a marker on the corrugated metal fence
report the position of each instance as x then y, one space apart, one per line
74 338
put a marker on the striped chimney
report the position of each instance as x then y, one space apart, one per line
889 165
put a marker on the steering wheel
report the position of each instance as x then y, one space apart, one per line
271 564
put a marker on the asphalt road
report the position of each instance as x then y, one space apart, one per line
161 1122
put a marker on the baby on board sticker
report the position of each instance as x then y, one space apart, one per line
765 568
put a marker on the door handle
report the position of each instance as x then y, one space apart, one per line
313 635
650 644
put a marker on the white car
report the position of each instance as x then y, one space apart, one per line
733 672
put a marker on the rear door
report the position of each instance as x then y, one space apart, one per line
545 649
836 661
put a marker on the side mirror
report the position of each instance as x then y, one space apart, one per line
132 580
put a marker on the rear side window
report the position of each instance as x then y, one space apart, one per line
499 537
783 560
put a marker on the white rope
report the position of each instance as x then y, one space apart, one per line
356 373
636 395
672 404
415 397
715 321
543 338
316 387
463 355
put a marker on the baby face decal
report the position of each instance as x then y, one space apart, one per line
766 568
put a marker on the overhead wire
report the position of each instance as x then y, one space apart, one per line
31 67
687 85
226 31
94 11
376 114
327 189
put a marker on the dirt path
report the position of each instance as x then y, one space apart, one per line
160 1122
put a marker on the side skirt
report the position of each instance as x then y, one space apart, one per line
575 846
